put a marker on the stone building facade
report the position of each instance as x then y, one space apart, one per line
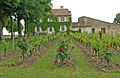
62 15
91 25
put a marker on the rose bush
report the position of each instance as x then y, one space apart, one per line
64 49
23 43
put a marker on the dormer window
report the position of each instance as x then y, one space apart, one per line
62 19
50 20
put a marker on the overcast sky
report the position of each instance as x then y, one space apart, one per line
104 10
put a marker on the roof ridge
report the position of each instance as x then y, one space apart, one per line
99 20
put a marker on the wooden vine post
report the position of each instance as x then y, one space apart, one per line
100 35
13 40
37 30
116 34
112 34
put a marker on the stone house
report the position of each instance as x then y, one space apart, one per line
62 15
76 27
91 25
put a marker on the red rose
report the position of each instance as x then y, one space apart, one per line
20 35
62 41
115 48
111 45
107 46
29 34
24 40
16 37
60 49
65 35
72 47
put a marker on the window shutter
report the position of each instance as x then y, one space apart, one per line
59 19
48 19
65 19
81 30
65 27
60 28
40 29
48 30
35 29
53 29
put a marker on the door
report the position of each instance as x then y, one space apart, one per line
103 30
93 30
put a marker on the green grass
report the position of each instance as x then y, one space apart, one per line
116 59
2 47
43 68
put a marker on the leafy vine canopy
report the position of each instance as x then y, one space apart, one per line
44 23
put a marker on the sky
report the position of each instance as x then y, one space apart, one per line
104 10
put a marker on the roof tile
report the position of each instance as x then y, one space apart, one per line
61 12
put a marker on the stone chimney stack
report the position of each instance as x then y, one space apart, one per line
61 7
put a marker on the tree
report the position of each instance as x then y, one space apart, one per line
34 10
39 9
10 10
8 25
117 19
3 5
29 10
7 8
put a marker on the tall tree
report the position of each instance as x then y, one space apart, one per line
10 10
117 19
34 10
7 25
3 13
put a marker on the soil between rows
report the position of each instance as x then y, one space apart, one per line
29 60
68 62
94 60
9 55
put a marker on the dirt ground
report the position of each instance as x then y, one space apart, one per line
29 60
68 62
9 55
96 62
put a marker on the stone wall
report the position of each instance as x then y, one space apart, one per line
98 24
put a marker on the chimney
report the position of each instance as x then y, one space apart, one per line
61 7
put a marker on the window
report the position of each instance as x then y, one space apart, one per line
103 30
50 29
93 30
50 20
108 26
38 29
82 21
76 29
81 30
62 19
62 28
87 29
